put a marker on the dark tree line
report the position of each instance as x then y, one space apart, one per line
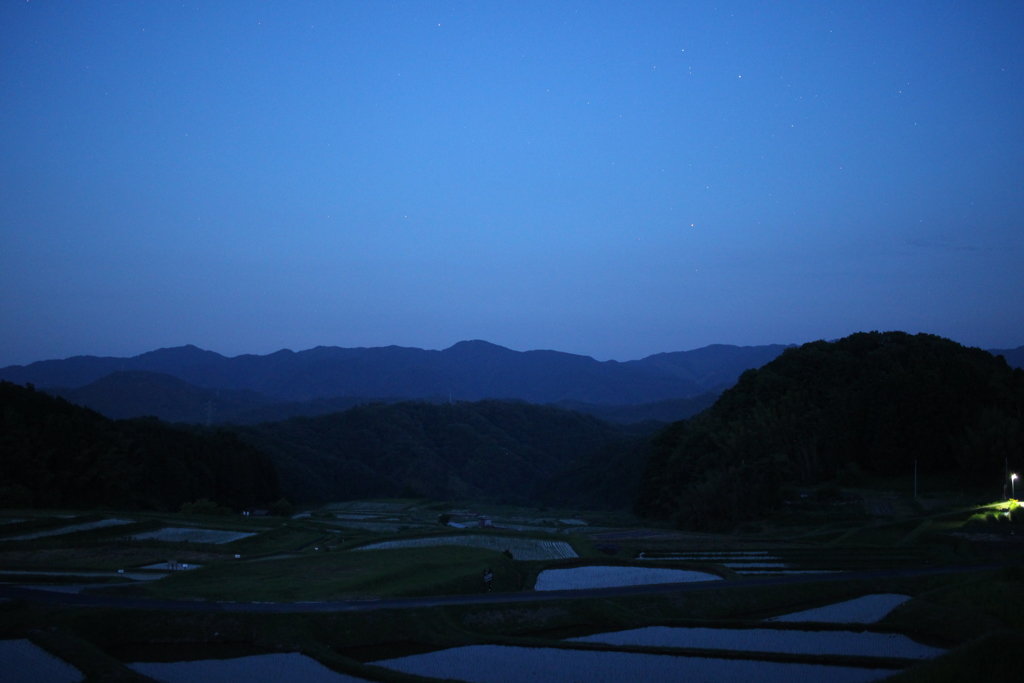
57 455
875 402
506 451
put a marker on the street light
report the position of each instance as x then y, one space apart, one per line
1013 488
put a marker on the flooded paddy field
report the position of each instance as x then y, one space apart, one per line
504 664
867 609
22 661
787 560
863 644
579 578
269 668
193 535
409 550
520 548
68 529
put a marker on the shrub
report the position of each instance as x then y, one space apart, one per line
829 491
204 506
851 475
282 508
789 492
15 496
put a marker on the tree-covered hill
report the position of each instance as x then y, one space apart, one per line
872 402
137 393
57 455
507 451
1014 357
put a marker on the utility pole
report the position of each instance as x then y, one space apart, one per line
915 479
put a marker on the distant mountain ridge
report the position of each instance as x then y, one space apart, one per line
467 371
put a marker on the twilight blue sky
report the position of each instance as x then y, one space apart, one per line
613 179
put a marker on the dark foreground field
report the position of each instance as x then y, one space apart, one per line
105 594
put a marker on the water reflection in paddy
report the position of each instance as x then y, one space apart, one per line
506 664
193 535
863 610
22 661
274 668
771 640
579 578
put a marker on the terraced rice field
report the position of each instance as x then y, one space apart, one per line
741 562
135 576
274 668
171 566
867 609
580 578
25 662
193 535
88 526
791 561
521 548
508 664
376 527
864 644
379 507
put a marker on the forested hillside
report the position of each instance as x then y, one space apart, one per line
872 402
1014 357
137 393
507 451
57 455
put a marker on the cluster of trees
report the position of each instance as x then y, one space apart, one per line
872 402
507 451
54 454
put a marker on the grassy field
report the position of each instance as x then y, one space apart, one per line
341 575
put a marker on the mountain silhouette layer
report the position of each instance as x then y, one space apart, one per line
467 371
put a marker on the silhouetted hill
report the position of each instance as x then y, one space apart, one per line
715 367
57 455
81 370
660 411
871 402
507 451
1014 357
136 393
470 370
